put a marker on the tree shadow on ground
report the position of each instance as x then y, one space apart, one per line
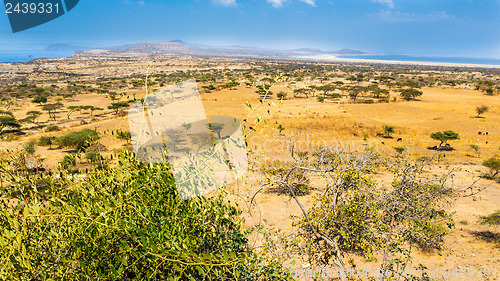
442 148
488 236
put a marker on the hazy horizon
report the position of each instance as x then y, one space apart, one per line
445 28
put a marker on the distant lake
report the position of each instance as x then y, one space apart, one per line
423 59
25 56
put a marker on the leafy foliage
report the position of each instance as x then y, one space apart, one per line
30 147
117 106
444 136
39 99
410 94
80 139
68 161
388 130
480 110
355 215
124 223
52 128
7 120
494 165
46 141
52 109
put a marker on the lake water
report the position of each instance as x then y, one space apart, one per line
485 61
25 56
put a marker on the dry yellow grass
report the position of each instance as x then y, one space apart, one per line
324 123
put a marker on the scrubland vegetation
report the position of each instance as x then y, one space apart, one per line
364 165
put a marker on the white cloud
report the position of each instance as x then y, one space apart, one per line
142 3
276 3
389 3
413 17
226 3
310 2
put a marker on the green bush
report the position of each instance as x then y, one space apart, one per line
39 99
80 139
68 161
126 223
30 147
93 156
46 141
494 165
52 128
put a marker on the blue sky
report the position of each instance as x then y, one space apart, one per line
422 27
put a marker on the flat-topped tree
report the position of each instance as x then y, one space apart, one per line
377 92
117 106
33 116
7 120
326 89
92 109
52 109
355 91
410 94
216 128
113 96
444 136
72 109
481 110
302 91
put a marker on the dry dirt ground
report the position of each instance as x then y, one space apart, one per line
350 124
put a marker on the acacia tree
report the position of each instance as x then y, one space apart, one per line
216 128
117 106
72 109
444 136
355 91
7 120
326 89
481 110
302 91
377 92
33 116
94 108
91 108
388 130
410 94
52 109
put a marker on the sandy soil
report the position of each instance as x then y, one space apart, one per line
323 123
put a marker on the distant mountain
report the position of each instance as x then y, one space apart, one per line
182 47
168 47
348 52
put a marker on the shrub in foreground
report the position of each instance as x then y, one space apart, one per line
124 223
